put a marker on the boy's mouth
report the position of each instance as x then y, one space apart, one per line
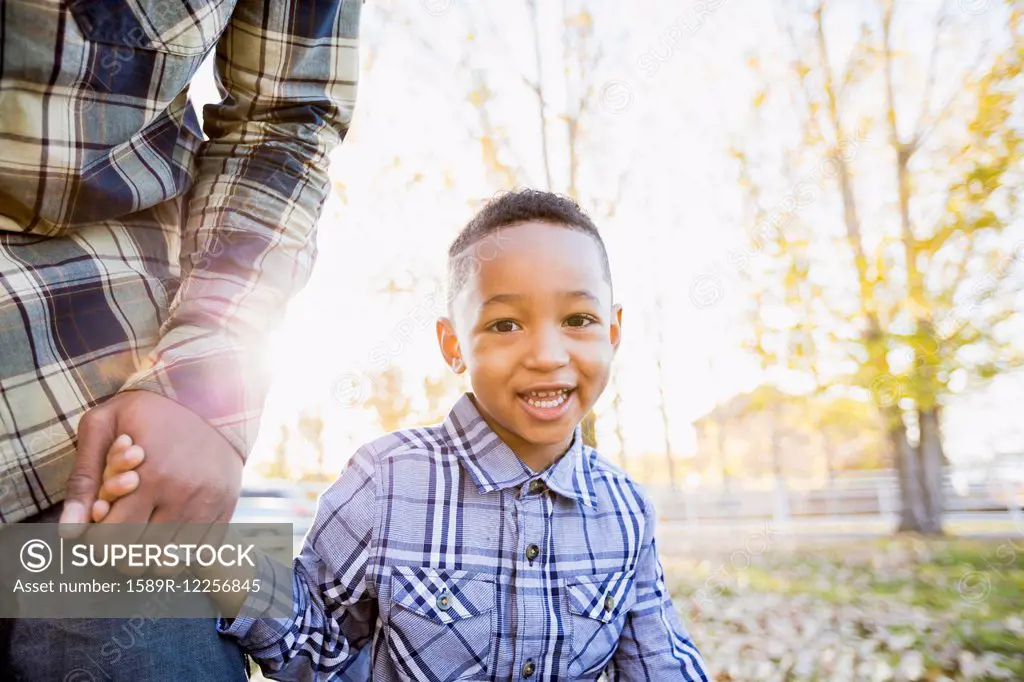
548 403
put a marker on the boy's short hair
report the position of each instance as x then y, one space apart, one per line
511 208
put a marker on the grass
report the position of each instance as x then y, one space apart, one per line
959 604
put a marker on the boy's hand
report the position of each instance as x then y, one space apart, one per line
119 477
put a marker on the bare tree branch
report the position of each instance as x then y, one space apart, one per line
941 18
538 90
940 116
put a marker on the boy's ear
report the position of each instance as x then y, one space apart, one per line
449 344
615 330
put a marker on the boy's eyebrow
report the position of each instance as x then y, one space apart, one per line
509 298
582 293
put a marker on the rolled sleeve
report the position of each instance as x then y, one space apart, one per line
287 75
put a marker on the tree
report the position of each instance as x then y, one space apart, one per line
560 154
278 466
666 422
389 399
774 433
440 393
553 76
903 283
311 428
616 406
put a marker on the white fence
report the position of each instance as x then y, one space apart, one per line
855 495
870 494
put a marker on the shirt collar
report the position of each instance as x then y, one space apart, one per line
494 466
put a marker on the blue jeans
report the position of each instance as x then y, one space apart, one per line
118 649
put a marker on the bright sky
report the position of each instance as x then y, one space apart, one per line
672 89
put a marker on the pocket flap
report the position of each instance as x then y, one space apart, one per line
442 595
181 28
603 597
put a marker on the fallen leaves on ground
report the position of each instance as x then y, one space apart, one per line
899 609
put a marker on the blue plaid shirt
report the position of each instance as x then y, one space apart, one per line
438 555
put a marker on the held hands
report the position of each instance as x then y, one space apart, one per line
189 473
120 479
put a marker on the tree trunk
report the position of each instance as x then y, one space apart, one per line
830 465
931 460
913 512
723 465
280 465
538 89
662 404
620 432
776 447
589 427
669 457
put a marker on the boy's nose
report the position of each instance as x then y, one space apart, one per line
547 350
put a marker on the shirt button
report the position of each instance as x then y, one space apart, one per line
444 601
609 603
529 668
537 486
532 551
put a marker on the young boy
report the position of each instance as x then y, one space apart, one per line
493 546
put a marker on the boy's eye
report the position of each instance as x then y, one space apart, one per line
580 321
504 326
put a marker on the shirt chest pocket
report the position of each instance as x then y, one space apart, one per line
598 605
440 624
188 28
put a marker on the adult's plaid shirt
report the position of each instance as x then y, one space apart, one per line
134 254
439 555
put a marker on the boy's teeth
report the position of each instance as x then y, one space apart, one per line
547 398
547 394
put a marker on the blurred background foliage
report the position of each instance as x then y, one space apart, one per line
812 210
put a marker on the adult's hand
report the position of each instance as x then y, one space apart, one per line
191 473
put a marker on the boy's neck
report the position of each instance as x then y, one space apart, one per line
535 456
539 460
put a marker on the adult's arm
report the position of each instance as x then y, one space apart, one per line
286 71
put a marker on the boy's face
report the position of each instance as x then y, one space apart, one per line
536 329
